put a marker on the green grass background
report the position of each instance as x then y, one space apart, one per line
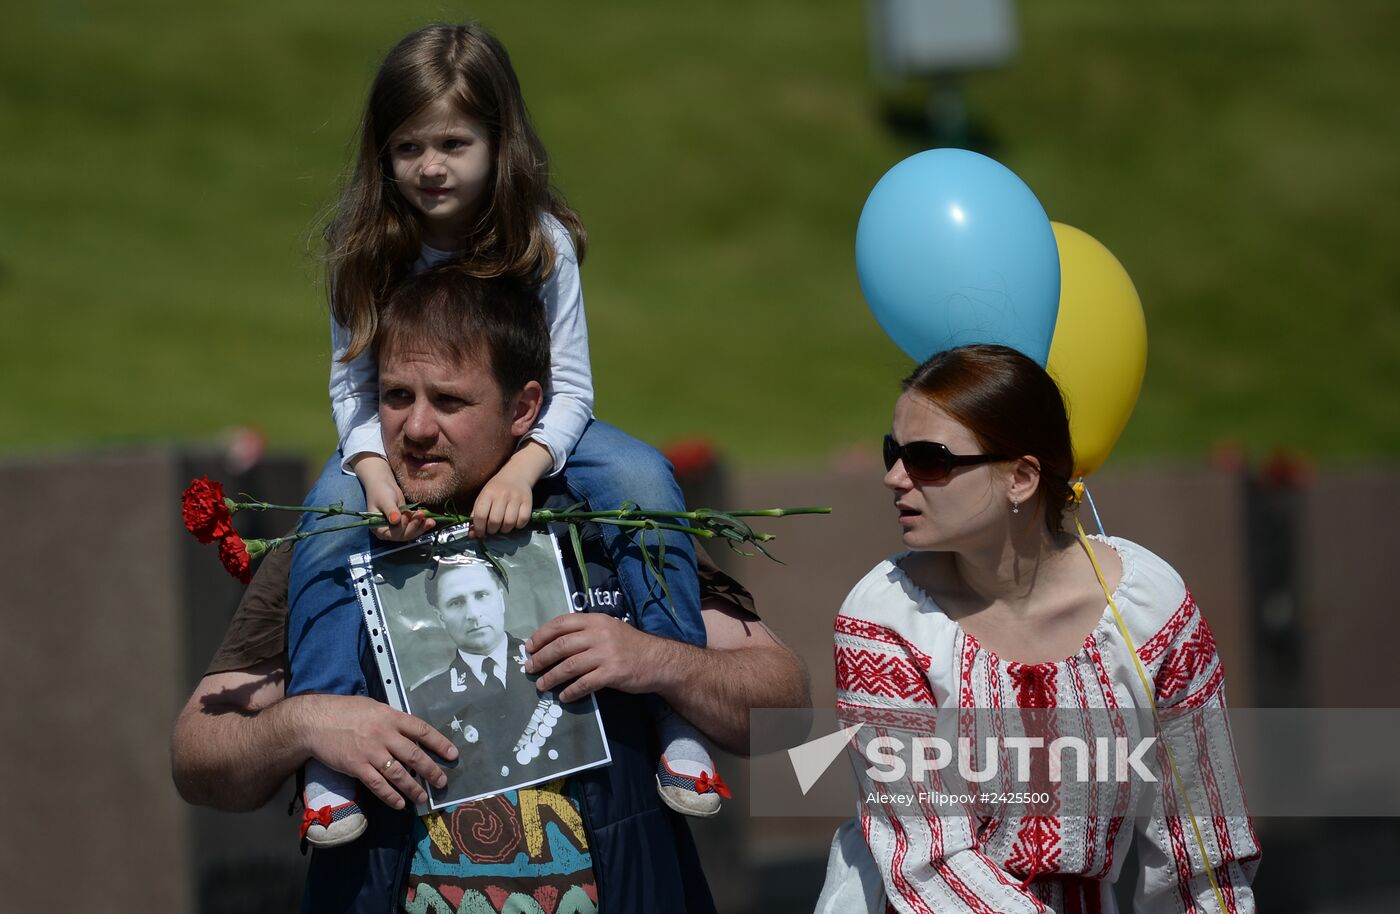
166 165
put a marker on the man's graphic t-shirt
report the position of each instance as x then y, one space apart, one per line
519 852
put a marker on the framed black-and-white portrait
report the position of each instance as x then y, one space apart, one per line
447 617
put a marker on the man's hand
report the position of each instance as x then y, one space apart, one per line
357 736
592 651
239 738
745 666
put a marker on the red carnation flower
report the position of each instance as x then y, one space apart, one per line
234 554
204 511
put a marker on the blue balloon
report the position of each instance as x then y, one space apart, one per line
953 248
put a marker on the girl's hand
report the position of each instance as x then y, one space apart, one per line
409 524
505 502
382 495
503 505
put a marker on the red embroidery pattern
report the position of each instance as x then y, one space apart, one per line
1035 685
1115 825
962 890
1081 694
1036 850
910 893
859 628
993 689
872 673
1181 859
1153 647
1186 662
967 661
935 820
1219 823
1204 694
1091 847
1000 875
908 721
1122 794
1110 700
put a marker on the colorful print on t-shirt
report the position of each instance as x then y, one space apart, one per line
519 852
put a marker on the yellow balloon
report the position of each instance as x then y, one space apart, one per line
1099 351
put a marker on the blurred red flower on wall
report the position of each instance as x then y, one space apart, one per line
691 457
204 511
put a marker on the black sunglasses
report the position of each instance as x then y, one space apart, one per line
929 461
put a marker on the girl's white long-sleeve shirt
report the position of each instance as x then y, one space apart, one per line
568 406
900 657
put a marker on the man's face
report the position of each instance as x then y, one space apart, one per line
447 427
471 607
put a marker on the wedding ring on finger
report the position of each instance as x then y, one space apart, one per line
387 765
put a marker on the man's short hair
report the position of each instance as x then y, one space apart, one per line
447 310
440 569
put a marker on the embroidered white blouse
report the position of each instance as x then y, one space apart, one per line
898 653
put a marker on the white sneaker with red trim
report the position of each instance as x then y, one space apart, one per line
330 817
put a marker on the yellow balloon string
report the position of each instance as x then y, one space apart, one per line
1077 498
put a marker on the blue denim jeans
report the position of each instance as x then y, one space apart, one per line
326 637
609 467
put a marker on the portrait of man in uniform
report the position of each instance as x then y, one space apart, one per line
507 732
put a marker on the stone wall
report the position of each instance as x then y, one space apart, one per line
113 611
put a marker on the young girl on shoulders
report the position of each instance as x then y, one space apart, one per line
449 168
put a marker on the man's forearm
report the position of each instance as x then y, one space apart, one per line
238 739
235 745
235 759
715 689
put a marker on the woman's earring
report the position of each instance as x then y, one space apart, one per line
1015 506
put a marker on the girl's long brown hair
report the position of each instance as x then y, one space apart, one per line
1011 405
374 238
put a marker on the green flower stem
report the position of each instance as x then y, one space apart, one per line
696 514
257 547
622 517
580 517
330 511
776 512
704 522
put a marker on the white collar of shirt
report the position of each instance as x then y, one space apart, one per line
429 257
474 661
